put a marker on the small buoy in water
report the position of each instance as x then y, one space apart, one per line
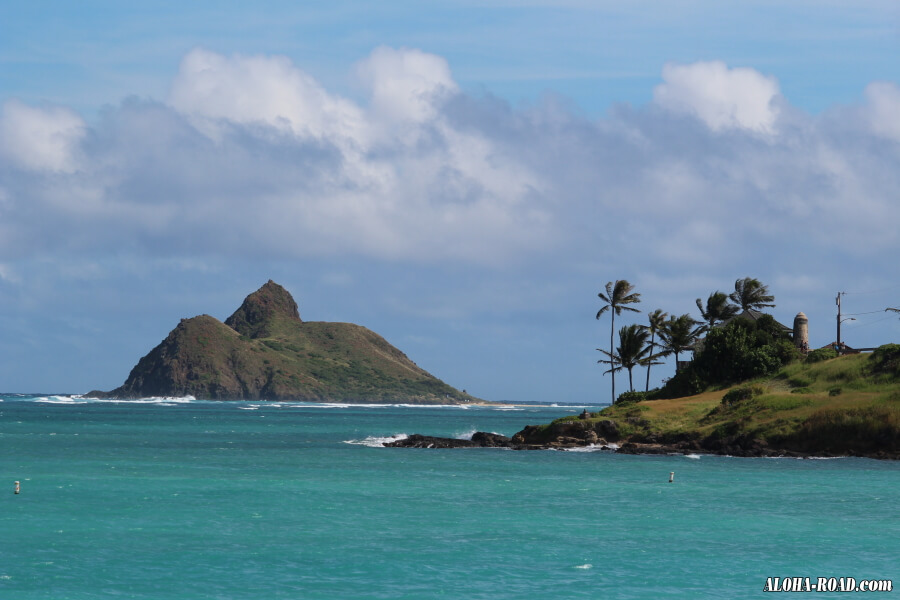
17 488
672 477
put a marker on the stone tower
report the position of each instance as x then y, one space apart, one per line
801 332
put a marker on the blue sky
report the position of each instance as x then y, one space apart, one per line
461 177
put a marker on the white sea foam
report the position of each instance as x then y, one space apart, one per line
466 435
60 400
160 400
377 442
584 566
694 456
248 407
593 448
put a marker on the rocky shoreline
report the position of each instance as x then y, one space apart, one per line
482 439
605 435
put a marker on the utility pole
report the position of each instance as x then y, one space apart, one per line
838 302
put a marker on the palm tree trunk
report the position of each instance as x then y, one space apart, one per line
612 365
630 384
652 334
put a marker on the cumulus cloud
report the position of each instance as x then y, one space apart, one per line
722 97
40 139
883 109
251 156
405 84
264 90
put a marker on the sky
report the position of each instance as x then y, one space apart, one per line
461 177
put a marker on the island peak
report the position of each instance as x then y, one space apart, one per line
255 317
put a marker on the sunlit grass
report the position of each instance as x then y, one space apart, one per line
802 406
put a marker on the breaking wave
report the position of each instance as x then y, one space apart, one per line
377 442
593 448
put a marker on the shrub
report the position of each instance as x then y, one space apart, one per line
631 397
742 350
742 393
686 382
886 359
821 354
786 351
835 391
801 390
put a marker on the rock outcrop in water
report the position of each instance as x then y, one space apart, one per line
265 351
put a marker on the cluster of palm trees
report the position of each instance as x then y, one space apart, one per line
638 343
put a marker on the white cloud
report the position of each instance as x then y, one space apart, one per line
267 90
405 84
722 97
40 139
883 110
253 157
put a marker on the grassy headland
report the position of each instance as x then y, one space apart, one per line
843 406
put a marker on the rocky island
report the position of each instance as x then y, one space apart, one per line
265 351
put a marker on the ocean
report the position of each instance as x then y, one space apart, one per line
184 499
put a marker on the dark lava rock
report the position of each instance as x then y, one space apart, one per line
480 439
490 440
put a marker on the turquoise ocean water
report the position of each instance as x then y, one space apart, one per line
187 499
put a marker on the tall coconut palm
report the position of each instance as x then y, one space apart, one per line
657 320
679 334
632 351
618 295
750 293
717 309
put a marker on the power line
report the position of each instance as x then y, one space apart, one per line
859 325
894 287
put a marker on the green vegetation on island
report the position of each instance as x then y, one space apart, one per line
265 351
848 405
752 387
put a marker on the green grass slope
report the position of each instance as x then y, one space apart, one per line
844 406
265 351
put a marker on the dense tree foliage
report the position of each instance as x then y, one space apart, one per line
734 349
743 349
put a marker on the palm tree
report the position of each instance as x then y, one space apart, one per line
617 295
657 320
679 334
632 351
717 309
750 293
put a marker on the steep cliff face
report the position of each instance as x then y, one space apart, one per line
265 351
